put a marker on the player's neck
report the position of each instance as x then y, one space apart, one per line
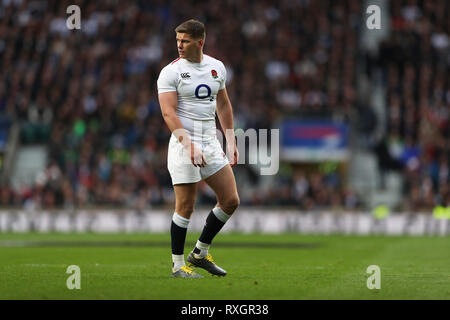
196 59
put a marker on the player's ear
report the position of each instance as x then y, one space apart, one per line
201 42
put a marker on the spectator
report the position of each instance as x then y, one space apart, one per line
92 92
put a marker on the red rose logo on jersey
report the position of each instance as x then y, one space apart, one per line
214 74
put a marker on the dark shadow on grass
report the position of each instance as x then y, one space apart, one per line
162 244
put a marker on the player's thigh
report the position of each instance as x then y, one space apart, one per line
224 185
180 167
185 195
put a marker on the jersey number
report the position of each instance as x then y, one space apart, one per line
204 94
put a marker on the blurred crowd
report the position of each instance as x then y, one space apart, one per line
90 94
416 70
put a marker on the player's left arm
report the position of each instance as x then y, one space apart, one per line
225 114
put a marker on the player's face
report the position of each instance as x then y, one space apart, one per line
187 47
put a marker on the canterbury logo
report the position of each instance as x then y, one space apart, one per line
185 75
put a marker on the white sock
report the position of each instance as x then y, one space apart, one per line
220 214
180 221
203 249
178 261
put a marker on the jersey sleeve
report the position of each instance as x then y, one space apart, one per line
224 76
167 81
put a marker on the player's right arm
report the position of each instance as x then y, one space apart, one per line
169 102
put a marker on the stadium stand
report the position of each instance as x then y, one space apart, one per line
90 95
415 63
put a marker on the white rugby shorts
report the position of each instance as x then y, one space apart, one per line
181 168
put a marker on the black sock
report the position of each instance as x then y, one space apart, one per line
211 228
178 236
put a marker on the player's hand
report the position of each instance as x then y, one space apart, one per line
233 153
197 157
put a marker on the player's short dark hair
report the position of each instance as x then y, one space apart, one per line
194 28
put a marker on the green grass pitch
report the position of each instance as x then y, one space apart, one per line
289 266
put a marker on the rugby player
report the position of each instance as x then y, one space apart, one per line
191 89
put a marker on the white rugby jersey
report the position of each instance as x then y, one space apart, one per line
197 85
